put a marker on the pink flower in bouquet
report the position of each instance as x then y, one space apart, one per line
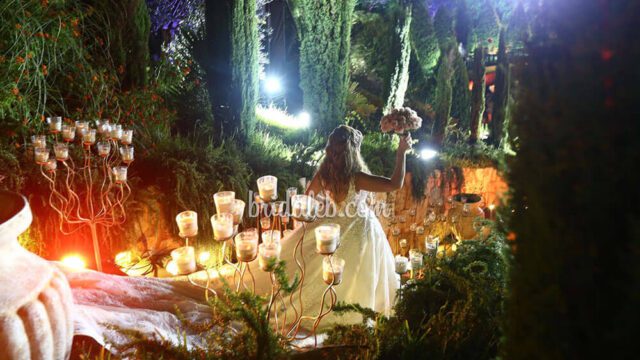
400 120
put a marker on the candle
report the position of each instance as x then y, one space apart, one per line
127 137
268 255
103 126
415 257
403 243
420 230
247 245
51 165
395 232
304 207
412 212
271 236
81 127
68 133
402 219
204 257
431 244
187 223
402 264
120 174
491 208
268 187
41 155
184 259
103 148
332 269
62 151
222 226
127 154
265 223
89 136
238 211
39 141
327 238
116 132
413 227
224 201
55 124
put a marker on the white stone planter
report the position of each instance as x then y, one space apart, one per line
35 299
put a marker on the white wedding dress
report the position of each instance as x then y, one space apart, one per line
147 305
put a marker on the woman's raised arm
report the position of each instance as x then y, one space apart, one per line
374 183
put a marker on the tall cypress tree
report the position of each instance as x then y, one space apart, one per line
324 29
443 24
402 55
501 98
575 284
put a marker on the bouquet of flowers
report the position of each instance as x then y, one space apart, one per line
400 120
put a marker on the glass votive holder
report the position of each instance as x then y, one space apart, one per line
184 259
395 232
103 126
332 269
268 187
89 137
238 211
412 211
268 256
224 201
413 227
41 155
187 223
416 259
51 165
126 152
104 147
222 225
327 238
420 230
62 151
265 223
116 132
431 244
39 141
68 133
402 219
127 137
81 127
55 124
403 244
402 264
271 236
120 174
247 245
304 207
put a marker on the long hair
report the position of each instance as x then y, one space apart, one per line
342 161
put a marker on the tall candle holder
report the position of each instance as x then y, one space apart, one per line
90 193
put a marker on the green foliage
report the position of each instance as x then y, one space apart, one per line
443 97
518 28
477 94
501 98
423 39
443 26
397 86
461 98
453 312
575 287
324 29
463 24
379 152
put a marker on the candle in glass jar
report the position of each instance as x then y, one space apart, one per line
271 236
403 243
116 132
184 259
62 151
247 245
41 155
402 264
68 133
420 230
238 211
104 148
224 201
222 226
120 174
268 187
127 154
187 223
431 244
81 127
39 141
127 137
89 137
327 238
415 258
51 165
332 269
395 232
265 223
103 126
55 124
268 255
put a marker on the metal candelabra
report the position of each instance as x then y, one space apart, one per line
92 190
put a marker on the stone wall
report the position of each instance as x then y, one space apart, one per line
486 182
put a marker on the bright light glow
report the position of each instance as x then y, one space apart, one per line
492 206
274 116
428 154
304 119
172 268
124 259
74 261
204 257
272 85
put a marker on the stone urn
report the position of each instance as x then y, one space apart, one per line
465 210
35 299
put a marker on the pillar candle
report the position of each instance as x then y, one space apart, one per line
332 269
184 259
222 226
187 223
327 238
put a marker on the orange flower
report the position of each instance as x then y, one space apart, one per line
15 91
20 60
44 70
18 26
